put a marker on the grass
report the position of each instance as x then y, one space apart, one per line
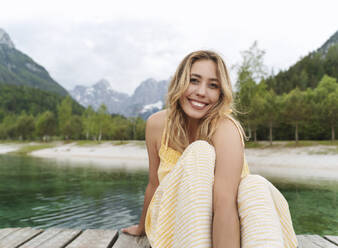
139 143
86 142
325 151
120 142
289 143
264 144
26 149
305 143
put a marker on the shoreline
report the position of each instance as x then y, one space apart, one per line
310 163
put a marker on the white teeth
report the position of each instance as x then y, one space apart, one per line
198 104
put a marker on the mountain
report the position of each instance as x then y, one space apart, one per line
16 68
333 40
99 93
148 97
308 71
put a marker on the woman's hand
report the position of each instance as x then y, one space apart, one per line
135 230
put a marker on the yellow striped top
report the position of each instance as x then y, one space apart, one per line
169 157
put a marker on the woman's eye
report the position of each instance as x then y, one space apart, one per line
214 86
193 80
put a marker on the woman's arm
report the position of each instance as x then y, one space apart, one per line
229 163
153 132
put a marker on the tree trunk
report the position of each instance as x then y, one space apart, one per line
100 136
332 133
250 133
255 135
296 133
270 133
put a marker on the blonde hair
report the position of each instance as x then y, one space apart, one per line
176 133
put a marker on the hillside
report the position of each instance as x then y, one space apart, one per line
308 71
16 68
14 99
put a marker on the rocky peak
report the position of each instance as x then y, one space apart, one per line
103 83
5 39
333 40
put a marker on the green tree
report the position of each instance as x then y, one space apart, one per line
88 121
295 109
256 108
250 72
137 128
252 65
25 126
76 127
272 111
325 95
102 122
331 61
244 101
46 125
330 107
8 127
65 117
120 128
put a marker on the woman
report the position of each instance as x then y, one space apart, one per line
200 193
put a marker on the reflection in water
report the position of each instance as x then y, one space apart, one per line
35 192
40 193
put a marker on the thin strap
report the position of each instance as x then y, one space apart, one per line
238 128
163 141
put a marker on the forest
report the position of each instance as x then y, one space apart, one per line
300 103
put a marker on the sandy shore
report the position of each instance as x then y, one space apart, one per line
6 148
294 164
107 155
303 164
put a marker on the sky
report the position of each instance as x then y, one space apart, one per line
127 42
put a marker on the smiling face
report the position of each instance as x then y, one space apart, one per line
203 91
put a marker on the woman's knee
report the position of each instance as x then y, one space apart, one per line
200 145
199 154
250 180
252 185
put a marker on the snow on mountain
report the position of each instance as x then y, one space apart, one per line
99 93
147 98
157 105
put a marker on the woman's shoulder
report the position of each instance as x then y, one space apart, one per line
157 120
228 129
155 126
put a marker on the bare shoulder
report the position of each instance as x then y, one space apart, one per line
155 127
157 120
227 133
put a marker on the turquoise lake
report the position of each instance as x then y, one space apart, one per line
42 193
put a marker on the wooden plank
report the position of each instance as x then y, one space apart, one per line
15 239
313 241
4 232
128 241
53 238
94 238
333 239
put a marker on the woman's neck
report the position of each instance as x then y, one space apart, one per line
192 129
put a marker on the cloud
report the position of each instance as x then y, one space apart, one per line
124 51
128 42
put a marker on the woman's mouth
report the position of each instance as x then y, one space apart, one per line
197 105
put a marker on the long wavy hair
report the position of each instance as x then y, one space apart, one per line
176 126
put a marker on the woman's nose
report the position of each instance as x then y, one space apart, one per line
201 90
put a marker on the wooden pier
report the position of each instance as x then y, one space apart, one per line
96 238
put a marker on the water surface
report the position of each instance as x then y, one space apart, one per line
41 193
